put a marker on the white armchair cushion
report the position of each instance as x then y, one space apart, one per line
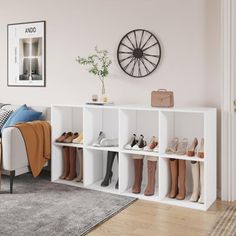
14 154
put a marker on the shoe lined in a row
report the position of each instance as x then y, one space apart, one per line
182 148
69 164
140 144
178 177
138 176
70 137
102 141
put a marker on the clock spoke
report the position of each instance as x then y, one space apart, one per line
139 69
150 55
136 42
124 59
147 70
153 64
145 49
141 40
132 71
130 41
121 52
146 41
127 46
125 68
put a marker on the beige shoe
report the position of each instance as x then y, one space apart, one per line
201 149
172 147
79 139
182 147
191 149
71 137
153 143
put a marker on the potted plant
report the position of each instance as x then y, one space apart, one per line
99 64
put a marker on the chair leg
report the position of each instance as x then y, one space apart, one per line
12 175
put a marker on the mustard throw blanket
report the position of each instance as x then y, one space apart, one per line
37 137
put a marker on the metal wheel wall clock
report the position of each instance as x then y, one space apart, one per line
139 53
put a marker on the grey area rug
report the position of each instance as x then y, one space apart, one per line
226 224
39 207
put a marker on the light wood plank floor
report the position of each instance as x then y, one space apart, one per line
148 219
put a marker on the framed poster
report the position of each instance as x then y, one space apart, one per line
26 54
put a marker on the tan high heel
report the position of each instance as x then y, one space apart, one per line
79 139
153 143
182 147
201 149
191 149
172 146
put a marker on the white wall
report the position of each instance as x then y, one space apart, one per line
189 32
186 28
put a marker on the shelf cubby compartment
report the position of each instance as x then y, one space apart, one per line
96 119
127 177
64 119
95 165
165 186
180 125
145 122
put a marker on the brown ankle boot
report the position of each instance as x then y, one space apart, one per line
174 178
182 172
72 173
138 172
150 189
66 162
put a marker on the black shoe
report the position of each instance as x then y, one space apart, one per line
108 176
117 184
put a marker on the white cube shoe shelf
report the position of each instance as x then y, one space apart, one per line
123 121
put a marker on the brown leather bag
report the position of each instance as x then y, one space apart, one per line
162 98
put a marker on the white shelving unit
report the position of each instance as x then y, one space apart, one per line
121 122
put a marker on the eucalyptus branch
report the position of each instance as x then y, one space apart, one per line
98 63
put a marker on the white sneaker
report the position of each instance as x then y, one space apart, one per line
106 142
99 139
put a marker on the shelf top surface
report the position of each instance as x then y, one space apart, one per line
139 107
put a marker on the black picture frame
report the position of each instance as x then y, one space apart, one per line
43 58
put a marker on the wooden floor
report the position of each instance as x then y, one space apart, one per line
148 219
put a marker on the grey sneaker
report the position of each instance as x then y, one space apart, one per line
141 143
99 139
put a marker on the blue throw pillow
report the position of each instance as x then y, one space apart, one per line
22 114
9 120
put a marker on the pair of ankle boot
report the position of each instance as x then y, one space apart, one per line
178 172
69 161
138 170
